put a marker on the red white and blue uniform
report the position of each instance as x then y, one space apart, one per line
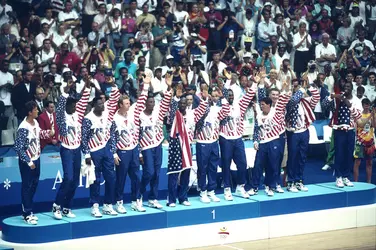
298 118
267 134
127 134
179 156
69 126
207 148
343 123
151 139
98 143
230 140
27 146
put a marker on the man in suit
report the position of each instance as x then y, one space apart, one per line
46 121
23 93
6 38
39 96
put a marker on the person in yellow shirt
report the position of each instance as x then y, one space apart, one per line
364 145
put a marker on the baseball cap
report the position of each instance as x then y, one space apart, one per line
107 72
169 57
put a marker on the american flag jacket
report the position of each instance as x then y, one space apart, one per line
27 144
300 110
70 125
127 129
343 118
233 126
267 127
152 126
97 131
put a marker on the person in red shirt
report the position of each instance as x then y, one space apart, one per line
67 59
46 121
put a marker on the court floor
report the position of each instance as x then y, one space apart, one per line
349 239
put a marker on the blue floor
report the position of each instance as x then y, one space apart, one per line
319 197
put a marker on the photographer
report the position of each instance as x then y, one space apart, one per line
198 76
179 42
266 60
127 85
106 53
92 59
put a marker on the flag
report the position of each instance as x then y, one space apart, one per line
308 112
179 156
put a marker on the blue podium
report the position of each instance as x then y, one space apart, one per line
319 197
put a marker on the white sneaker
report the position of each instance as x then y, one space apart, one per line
339 182
34 216
241 191
269 191
56 210
213 197
186 203
292 188
120 207
109 210
300 186
155 204
171 205
228 195
326 167
30 220
279 189
137 206
204 197
252 192
68 213
347 182
95 211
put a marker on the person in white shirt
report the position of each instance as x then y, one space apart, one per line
302 43
4 9
198 76
81 47
49 20
216 61
359 44
280 56
100 18
42 36
46 56
69 17
6 85
266 29
325 53
89 12
159 85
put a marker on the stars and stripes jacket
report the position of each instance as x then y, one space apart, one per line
27 144
300 114
343 118
127 129
191 117
209 131
97 131
70 125
151 134
232 127
267 127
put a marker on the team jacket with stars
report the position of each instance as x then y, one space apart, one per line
232 127
127 129
70 125
98 130
209 132
152 125
27 143
267 127
343 118
300 110
191 117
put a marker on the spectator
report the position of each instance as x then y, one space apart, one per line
47 120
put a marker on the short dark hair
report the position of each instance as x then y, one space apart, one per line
47 103
267 101
30 106
366 101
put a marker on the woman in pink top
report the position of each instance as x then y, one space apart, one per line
128 27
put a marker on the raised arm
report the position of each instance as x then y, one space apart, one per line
280 107
246 99
60 114
82 103
140 104
112 101
200 110
86 125
225 110
315 97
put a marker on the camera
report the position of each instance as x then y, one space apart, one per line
104 46
267 55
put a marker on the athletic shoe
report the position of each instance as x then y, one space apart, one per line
155 204
171 204
279 189
252 192
30 220
292 188
34 216
204 197
120 207
241 191
347 182
339 182
186 203
68 213
95 211
269 191
56 210
109 210
228 195
326 167
300 186
137 206
213 197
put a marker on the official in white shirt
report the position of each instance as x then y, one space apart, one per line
325 53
